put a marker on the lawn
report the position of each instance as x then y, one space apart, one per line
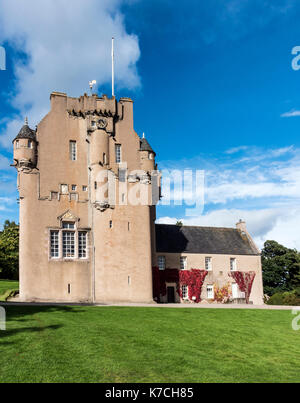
6 286
112 344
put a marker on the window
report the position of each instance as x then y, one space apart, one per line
68 243
29 144
151 156
110 224
208 263
82 245
17 144
73 151
210 292
184 292
232 264
54 244
183 263
84 188
118 153
95 185
93 123
74 187
68 225
104 159
64 189
161 262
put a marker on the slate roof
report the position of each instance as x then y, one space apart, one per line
145 146
26 133
205 240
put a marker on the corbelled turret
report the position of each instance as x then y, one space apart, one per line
25 147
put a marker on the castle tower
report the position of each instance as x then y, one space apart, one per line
86 203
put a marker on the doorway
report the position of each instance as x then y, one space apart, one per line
171 295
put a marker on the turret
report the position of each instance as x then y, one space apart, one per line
147 156
25 147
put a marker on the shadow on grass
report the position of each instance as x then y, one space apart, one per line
35 329
29 313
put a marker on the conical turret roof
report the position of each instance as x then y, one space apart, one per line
145 146
26 133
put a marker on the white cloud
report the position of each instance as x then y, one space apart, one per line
262 186
66 44
266 224
290 114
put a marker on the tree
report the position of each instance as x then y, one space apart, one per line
179 224
9 250
281 268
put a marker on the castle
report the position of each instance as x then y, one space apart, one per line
88 188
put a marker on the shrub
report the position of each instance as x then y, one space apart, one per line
285 298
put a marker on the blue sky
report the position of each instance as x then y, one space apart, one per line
211 83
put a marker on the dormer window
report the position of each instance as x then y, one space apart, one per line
68 225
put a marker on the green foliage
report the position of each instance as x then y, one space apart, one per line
179 224
9 250
286 298
281 268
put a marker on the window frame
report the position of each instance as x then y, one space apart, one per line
185 295
208 263
118 153
233 267
184 265
212 290
68 227
73 151
158 262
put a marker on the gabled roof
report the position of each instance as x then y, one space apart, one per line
26 133
203 240
145 146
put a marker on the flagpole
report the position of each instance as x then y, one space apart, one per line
112 68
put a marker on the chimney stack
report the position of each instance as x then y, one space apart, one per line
241 225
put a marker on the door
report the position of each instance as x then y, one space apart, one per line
171 295
235 292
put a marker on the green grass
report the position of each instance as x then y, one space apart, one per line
7 287
112 344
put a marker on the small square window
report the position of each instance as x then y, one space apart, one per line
84 188
64 189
